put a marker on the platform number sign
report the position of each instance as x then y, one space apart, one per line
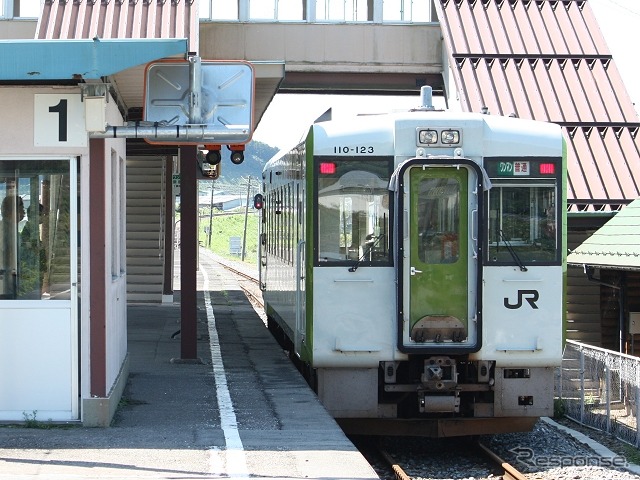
59 120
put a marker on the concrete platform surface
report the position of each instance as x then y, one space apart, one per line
243 412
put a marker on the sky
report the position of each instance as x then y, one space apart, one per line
289 116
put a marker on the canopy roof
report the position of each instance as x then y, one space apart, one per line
55 60
616 245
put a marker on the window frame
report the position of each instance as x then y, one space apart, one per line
528 185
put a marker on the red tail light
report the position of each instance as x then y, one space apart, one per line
327 168
547 168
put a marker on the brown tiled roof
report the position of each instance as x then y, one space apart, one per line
547 60
105 19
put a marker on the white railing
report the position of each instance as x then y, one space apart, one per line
600 388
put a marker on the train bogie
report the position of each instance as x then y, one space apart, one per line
414 265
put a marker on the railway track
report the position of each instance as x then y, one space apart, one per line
498 467
509 472
247 282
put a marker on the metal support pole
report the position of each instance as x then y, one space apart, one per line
167 284
211 213
581 385
195 91
246 214
636 404
607 386
189 247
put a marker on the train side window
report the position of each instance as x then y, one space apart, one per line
353 208
523 219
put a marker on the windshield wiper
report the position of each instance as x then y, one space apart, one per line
513 253
368 249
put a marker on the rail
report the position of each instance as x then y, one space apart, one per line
600 388
509 472
506 470
398 471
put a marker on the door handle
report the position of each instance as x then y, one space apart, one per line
413 271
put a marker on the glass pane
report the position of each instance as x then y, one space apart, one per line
220 10
29 9
522 224
439 220
393 10
406 11
342 10
262 10
353 210
34 227
204 9
289 10
420 11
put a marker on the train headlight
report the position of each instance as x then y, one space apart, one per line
450 137
427 137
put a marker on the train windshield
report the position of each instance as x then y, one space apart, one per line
353 199
522 224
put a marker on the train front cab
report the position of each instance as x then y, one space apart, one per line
479 292
440 208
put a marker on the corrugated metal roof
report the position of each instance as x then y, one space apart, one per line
82 19
615 245
547 60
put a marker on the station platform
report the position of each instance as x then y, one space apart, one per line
243 411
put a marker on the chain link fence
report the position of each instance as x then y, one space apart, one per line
600 388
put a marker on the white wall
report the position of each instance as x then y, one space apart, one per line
18 138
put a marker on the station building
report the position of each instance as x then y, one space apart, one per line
64 194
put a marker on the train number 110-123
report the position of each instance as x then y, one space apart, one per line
361 149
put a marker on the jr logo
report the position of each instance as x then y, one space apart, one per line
530 296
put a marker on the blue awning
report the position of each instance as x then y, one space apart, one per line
47 60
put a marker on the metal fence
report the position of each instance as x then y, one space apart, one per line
600 388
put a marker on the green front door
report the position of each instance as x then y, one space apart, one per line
440 236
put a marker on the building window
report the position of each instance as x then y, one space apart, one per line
20 9
118 219
35 230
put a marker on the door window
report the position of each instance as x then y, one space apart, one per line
439 220
34 230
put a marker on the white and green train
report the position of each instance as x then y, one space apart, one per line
414 265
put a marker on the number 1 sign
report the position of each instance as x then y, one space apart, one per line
58 120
